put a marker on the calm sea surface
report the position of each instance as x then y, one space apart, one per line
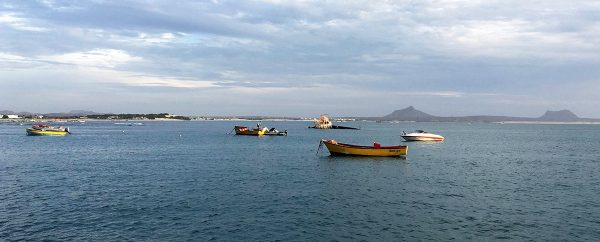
173 181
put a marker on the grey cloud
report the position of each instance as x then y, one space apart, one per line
509 47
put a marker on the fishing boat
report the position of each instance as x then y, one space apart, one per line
341 149
420 135
276 132
258 131
43 129
243 130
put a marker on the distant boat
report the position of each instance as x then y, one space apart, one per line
130 124
43 129
243 130
342 127
324 123
341 149
420 135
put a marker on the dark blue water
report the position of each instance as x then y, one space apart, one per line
191 181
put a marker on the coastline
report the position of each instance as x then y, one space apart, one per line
547 122
266 119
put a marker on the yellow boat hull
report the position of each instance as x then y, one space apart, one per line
241 130
337 149
33 132
251 132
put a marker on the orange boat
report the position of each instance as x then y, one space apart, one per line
339 149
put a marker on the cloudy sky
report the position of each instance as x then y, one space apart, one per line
301 58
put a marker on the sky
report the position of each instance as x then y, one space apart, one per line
301 58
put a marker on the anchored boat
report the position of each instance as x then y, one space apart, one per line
324 122
341 149
43 129
258 131
420 135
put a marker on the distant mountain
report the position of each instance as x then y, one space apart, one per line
72 113
409 114
559 116
412 114
7 112
83 112
13 112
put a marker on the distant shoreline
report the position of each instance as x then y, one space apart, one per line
66 121
136 120
543 122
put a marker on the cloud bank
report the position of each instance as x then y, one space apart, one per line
447 57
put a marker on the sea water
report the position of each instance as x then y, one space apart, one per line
172 181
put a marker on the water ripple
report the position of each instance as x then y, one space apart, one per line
528 182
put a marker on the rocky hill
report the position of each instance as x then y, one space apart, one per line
412 114
409 114
72 113
559 116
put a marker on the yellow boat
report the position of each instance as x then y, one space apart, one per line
340 149
243 130
42 129
258 131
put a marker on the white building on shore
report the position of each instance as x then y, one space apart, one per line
9 116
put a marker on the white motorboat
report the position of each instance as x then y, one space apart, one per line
420 135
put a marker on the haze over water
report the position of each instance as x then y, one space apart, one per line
192 181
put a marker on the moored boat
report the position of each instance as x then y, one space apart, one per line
43 129
276 132
420 135
258 131
340 149
324 122
243 130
